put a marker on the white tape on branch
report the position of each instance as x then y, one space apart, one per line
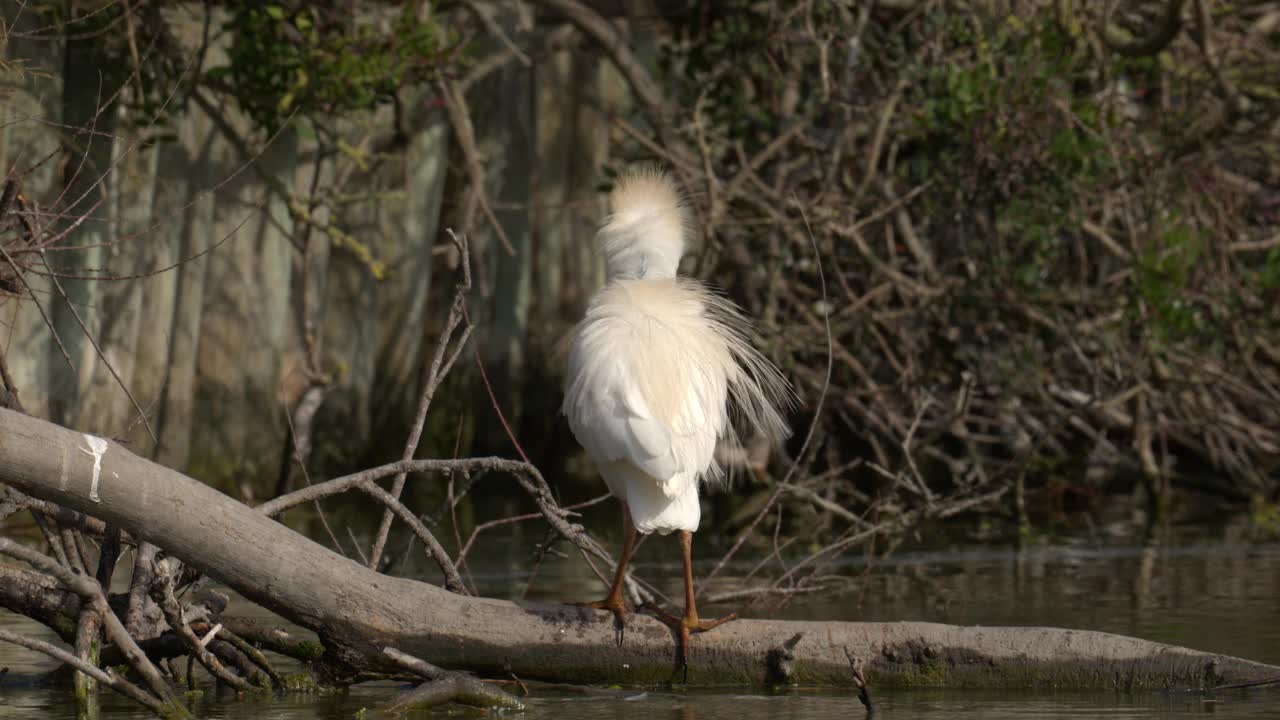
97 448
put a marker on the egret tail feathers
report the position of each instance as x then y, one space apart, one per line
656 506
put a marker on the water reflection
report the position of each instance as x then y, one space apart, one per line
1145 571
794 705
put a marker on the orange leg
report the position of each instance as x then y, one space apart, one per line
613 602
689 624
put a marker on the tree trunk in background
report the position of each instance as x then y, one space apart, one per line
28 134
349 326
105 406
174 187
191 158
572 149
505 348
405 295
602 91
210 348
556 130
88 124
238 423
504 103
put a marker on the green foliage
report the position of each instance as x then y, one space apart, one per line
1006 128
1266 517
323 59
305 682
1163 273
710 60
137 63
1269 275
1002 197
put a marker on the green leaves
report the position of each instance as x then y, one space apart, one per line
324 59
1163 275
1013 123
1269 275
721 61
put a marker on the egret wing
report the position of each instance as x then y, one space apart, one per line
616 423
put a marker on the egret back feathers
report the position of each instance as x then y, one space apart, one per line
661 368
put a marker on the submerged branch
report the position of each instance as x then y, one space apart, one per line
106 677
443 686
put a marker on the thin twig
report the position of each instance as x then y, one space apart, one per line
102 355
813 424
452 580
439 369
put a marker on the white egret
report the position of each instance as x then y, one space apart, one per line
660 369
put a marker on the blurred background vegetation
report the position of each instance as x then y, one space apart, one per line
1016 256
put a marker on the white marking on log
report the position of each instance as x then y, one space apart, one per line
62 479
209 636
97 448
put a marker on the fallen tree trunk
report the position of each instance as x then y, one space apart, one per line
358 612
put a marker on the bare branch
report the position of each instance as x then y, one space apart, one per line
437 372
91 593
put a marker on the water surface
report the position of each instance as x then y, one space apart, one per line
700 705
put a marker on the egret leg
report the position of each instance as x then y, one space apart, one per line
690 623
613 602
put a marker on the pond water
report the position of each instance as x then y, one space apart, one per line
1211 586
797 704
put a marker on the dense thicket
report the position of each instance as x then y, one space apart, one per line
1049 230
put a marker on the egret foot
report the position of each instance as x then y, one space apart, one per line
616 606
613 602
685 626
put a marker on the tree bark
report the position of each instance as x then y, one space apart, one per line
358 612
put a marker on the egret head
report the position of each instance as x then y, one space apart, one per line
643 236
